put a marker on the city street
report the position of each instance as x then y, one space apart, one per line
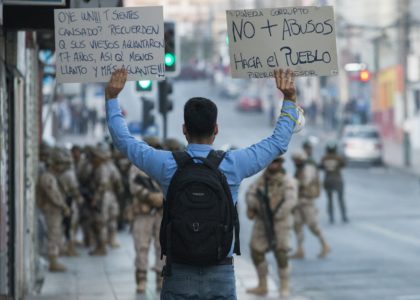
374 256
352 65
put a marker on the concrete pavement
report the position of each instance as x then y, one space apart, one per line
112 277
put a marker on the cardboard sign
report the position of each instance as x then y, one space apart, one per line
92 43
300 38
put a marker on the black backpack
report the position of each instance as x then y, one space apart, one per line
199 217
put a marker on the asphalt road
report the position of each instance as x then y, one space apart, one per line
375 256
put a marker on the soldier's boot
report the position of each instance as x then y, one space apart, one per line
113 240
55 266
284 283
100 250
299 254
261 289
141 280
87 240
72 249
324 250
159 281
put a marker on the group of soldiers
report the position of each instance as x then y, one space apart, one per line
97 190
278 202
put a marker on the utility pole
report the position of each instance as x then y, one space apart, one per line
404 34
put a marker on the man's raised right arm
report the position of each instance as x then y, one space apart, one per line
139 153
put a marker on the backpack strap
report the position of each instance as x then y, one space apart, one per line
237 244
216 157
181 157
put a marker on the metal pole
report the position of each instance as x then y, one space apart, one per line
405 20
165 125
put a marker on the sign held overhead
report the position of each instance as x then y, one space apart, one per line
300 38
91 43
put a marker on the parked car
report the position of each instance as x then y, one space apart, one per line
362 143
231 88
250 100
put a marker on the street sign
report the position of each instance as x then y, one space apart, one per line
300 38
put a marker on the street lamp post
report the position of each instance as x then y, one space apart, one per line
404 28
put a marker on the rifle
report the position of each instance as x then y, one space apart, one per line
268 219
146 182
66 219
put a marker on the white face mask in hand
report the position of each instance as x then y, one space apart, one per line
300 124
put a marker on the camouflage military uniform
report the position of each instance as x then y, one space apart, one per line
172 144
84 171
114 206
147 215
70 186
123 165
332 164
51 202
281 192
103 201
306 211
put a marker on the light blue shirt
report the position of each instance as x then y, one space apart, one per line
237 164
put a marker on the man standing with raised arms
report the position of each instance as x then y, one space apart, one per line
200 129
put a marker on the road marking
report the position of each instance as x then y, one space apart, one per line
390 234
409 297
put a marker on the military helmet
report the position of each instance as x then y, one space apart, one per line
172 144
299 155
57 157
44 151
307 144
331 146
76 148
66 156
279 159
100 152
153 141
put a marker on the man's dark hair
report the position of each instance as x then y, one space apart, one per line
200 116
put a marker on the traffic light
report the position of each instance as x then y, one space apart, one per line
148 117
364 75
171 51
165 89
144 85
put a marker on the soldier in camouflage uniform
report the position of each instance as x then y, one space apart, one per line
51 202
332 163
84 171
70 186
103 200
306 211
123 165
172 144
114 206
270 201
147 212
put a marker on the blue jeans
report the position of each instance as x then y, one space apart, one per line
199 283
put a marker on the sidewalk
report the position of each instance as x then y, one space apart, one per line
112 278
394 154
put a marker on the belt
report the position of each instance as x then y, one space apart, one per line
223 262
226 261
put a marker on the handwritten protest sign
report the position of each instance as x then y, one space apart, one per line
91 43
299 38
